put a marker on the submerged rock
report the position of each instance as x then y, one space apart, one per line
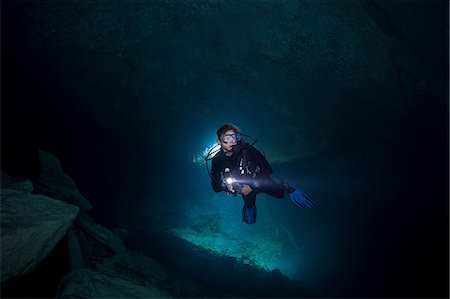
141 270
91 284
31 226
5 180
54 182
122 233
100 234
22 186
8 181
76 258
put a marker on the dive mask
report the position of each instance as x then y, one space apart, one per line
230 137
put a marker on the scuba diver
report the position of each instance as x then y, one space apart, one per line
239 168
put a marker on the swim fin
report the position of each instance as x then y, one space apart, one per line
300 198
249 215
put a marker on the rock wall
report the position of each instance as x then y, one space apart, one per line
327 70
100 264
31 226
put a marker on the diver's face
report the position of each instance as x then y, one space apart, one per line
227 140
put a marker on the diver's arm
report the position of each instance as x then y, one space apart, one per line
216 184
246 189
261 161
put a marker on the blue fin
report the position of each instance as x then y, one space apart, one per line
249 215
301 199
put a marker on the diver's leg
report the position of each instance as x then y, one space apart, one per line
249 208
249 199
269 186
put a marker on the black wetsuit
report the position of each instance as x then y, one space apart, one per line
247 166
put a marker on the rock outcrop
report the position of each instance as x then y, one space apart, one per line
54 182
99 263
86 283
110 263
100 234
122 234
31 226
139 269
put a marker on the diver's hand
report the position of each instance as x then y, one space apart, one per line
246 189
229 187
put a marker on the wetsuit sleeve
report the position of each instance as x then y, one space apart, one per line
261 161
215 176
